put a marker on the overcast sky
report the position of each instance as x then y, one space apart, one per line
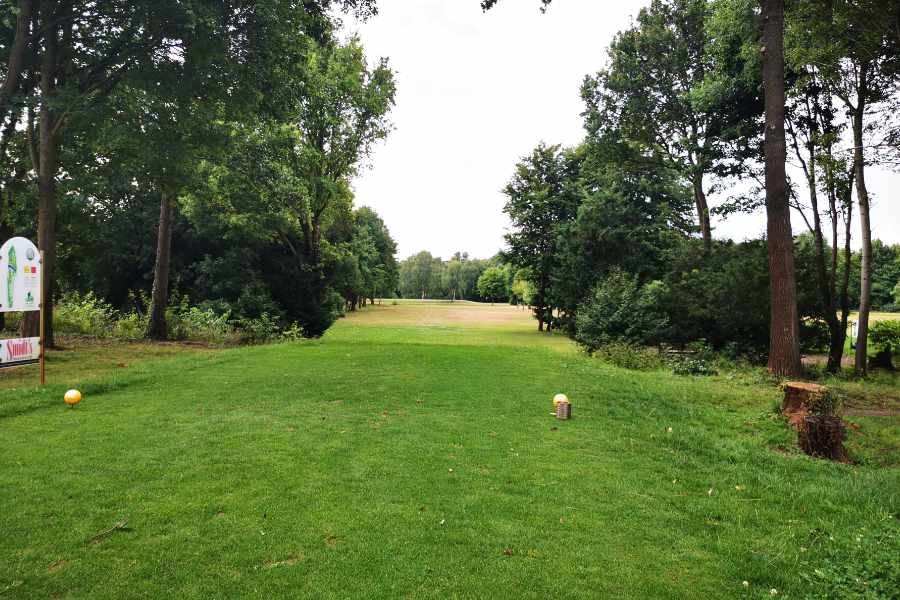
477 91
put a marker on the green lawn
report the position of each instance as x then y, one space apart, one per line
410 454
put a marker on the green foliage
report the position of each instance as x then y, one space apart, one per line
621 310
542 197
885 275
90 316
884 333
720 295
492 285
692 365
420 276
814 336
85 315
629 356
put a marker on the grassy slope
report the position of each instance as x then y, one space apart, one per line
412 456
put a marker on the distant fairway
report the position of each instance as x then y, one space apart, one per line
410 454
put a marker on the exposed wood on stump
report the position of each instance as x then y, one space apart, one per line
802 399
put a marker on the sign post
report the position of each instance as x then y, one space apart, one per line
22 290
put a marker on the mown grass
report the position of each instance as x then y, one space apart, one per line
81 359
416 461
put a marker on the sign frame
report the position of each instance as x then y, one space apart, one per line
31 277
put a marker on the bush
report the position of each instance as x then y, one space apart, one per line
883 333
692 365
261 329
132 325
619 310
814 335
195 323
84 315
720 295
629 356
89 315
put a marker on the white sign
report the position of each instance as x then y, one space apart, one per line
20 276
19 351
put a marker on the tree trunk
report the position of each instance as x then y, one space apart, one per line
825 281
158 329
784 339
702 211
862 196
46 169
841 295
848 265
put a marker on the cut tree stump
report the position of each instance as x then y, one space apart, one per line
801 399
822 436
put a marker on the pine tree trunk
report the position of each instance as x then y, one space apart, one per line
158 329
784 339
862 195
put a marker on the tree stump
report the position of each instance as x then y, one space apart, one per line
801 399
822 436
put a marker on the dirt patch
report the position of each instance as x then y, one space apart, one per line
290 561
58 565
817 360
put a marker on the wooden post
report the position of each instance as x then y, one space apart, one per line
41 311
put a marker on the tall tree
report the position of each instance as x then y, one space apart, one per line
863 74
417 275
814 129
340 111
541 197
681 92
784 334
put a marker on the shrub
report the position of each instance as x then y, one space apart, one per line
85 315
692 365
619 310
132 325
883 333
814 335
262 329
629 356
720 295
195 323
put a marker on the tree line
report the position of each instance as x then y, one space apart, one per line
697 96
423 276
199 148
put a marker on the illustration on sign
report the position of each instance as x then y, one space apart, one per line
20 287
